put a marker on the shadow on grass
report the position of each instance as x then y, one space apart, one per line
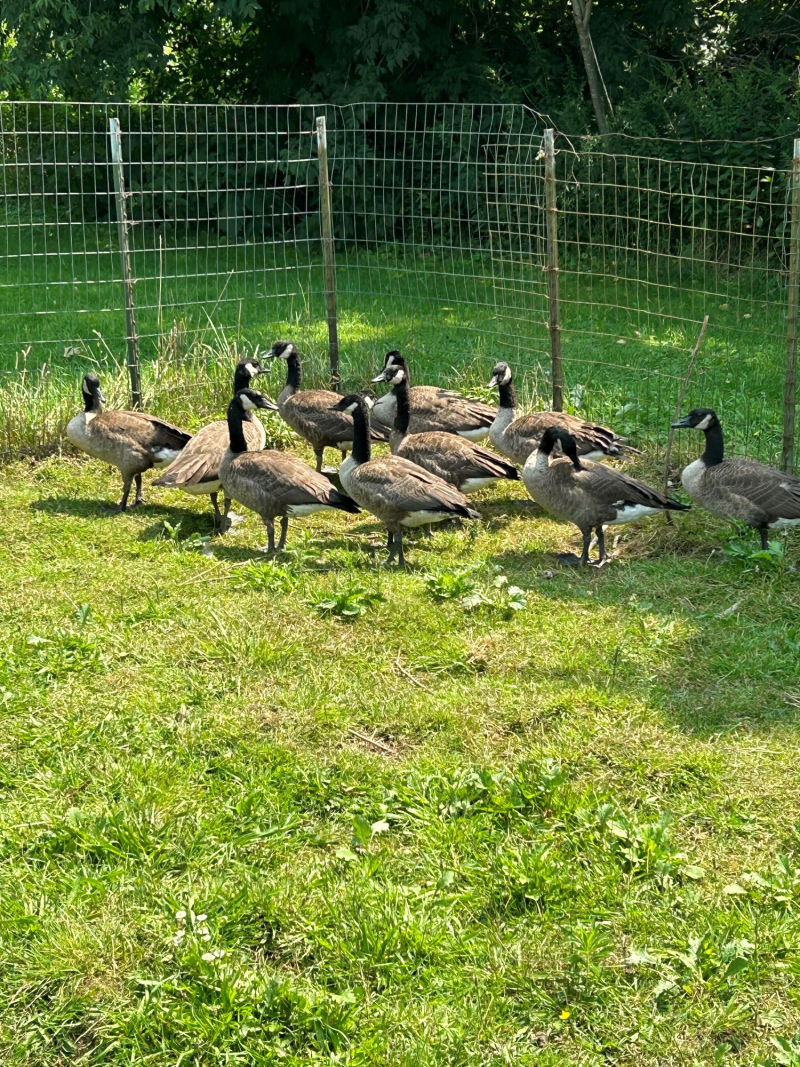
88 508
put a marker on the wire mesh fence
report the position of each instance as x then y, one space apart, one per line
440 249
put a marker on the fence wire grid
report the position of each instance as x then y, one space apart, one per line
440 250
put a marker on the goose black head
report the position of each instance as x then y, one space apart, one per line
91 387
394 359
501 374
351 402
246 370
282 350
697 419
250 399
393 373
558 435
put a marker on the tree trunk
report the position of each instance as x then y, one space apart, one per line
581 10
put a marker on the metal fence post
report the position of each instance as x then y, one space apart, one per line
552 268
134 368
326 226
790 381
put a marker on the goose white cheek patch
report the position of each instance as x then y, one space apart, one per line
248 404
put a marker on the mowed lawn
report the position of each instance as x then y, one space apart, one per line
484 811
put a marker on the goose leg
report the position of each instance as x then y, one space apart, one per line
397 550
390 545
344 454
569 559
270 548
217 516
284 530
764 540
601 547
318 453
138 499
123 504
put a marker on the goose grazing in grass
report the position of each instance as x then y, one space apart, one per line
516 436
738 488
196 470
272 483
459 462
131 441
588 494
434 409
310 412
396 491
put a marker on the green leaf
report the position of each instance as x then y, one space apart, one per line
736 966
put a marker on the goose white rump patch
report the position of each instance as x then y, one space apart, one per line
472 485
783 524
630 512
300 510
164 456
201 488
419 518
474 435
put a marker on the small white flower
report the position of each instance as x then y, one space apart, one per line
180 915
208 956
206 937
201 918
220 952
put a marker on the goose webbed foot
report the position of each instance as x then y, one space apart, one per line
602 556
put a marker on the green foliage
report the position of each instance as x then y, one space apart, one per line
349 603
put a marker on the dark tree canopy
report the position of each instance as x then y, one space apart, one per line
685 68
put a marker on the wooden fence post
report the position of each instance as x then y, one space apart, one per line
790 381
134 368
552 268
326 226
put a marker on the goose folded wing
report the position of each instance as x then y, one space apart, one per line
314 407
199 461
615 488
476 462
167 435
588 436
286 479
407 487
775 492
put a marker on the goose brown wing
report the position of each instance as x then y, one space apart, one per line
589 437
165 434
200 459
776 493
287 479
404 486
312 407
457 456
450 414
612 487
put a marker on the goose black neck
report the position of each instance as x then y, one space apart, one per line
241 380
293 372
236 427
91 403
362 450
715 446
403 413
508 396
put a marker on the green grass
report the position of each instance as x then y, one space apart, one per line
322 811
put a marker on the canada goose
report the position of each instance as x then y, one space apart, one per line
196 470
587 494
272 483
434 409
738 488
129 440
396 491
516 436
460 463
310 412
